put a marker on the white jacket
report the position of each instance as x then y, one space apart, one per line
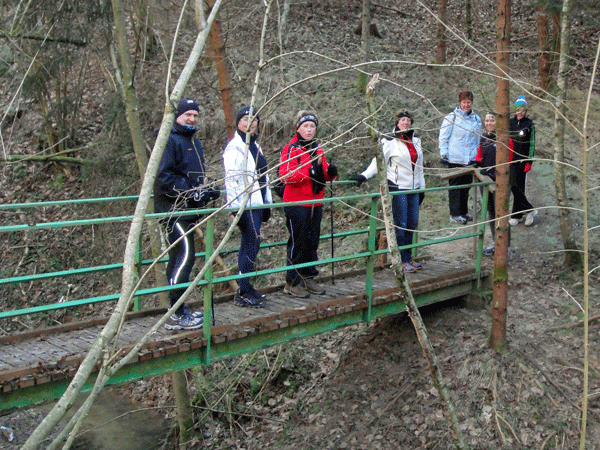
398 164
233 160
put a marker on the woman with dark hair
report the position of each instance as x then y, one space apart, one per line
404 162
458 142
304 170
246 174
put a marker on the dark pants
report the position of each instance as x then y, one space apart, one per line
405 210
458 199
518 179
304 225
181 256
249 225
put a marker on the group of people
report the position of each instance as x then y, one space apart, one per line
181 184
462 144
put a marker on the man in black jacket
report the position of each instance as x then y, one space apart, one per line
180 185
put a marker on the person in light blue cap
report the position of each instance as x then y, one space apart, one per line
522 133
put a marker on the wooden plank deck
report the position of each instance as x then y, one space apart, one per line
53 354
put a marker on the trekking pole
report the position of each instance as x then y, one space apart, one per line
331 219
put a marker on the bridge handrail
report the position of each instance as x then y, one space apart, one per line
370 254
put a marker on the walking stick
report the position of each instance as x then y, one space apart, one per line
331 217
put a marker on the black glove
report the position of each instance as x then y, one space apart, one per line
421 197
360 179
266 214
477 163
215 193
472 163
332 171
201 195
445 161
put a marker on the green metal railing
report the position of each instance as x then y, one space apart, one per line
370 253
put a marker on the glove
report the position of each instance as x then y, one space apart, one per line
472 163
527 167
332 171
215 193
445 161
201 195
266 214
421 197
477 163
360 179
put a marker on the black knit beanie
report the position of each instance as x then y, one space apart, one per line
307 118
185 105
245 111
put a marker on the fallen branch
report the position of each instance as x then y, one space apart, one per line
48 158
573 325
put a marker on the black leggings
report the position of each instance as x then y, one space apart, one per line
304 225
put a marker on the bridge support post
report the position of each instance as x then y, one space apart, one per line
371 258
208 290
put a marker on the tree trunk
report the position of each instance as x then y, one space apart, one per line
441 34
572 255
469 19
544 57
219 57
497 338
185 417
365 43
146 44
411 306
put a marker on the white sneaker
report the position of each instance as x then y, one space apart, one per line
514 222
529 217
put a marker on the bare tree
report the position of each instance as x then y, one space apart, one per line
101 349
497 338
411 306
572 254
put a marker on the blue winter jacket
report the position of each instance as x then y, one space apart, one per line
181 170
459 136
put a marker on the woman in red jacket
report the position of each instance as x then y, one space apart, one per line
304 170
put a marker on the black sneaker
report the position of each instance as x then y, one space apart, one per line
184 322
247 300
257 295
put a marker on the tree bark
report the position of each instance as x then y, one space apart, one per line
365 43
497 338
219 57
544 57
441 34
572 254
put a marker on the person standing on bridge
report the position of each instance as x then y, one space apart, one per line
458 142
404 162
522 133
246 174
304 170
181 185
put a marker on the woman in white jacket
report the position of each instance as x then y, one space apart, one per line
246 172
404 166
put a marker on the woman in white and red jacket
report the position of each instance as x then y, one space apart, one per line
404 165
304 170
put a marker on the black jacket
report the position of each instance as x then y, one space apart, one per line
522 133
181 170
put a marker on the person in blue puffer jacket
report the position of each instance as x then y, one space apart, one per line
458 141
181 185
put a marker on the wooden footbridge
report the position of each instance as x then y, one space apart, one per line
37 365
